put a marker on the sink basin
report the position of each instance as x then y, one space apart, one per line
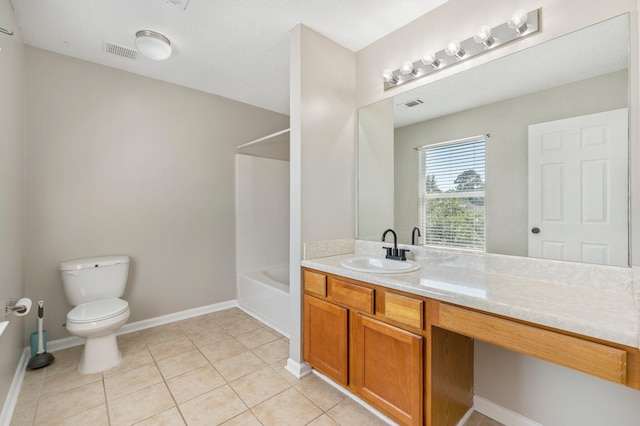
379 265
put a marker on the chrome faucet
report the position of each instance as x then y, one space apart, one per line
394 252
413 235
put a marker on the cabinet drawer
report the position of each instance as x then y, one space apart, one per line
404 309
352 295
589 357
315 283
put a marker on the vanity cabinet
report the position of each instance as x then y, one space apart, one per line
369 340
411 357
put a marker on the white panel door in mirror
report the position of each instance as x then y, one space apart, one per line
578 189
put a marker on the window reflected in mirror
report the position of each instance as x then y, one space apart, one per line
451 178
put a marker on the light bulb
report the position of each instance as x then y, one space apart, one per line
518 21
483 35
388 77
408 68
429 59
455 49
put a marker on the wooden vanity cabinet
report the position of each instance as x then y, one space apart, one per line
368 340
411 357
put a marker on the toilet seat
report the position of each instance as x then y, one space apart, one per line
97 311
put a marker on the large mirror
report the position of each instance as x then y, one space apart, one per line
533 109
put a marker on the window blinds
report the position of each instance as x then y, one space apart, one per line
451 191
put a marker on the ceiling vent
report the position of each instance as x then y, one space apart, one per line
125 52
412 103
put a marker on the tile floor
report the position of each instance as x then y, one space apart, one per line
221 368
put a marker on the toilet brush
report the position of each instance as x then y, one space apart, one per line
42 358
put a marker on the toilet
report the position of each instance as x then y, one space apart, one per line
94 285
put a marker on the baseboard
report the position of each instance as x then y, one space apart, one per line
355 398
297 369
69 342
176 316
14 391
500 413
464 418
263 320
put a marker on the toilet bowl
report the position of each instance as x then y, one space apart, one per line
98 323
94 286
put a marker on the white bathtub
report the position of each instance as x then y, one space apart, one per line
264 294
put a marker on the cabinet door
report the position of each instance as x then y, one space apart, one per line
325 338
388 369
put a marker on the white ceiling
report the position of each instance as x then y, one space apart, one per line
238 49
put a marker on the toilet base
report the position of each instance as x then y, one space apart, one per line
99 354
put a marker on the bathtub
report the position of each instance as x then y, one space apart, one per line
264 294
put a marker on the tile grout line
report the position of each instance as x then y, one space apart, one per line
205 357
164 380
249 409
35 412
106 400
228 383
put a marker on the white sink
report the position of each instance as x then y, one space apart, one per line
379 265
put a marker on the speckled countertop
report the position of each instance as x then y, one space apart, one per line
604 312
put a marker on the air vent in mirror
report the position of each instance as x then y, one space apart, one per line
413 103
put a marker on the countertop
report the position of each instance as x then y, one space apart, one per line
600 313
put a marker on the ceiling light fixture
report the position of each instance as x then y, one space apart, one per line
520 25
153 45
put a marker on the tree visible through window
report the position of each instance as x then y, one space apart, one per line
452 185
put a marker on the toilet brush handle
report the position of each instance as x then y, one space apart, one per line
40 333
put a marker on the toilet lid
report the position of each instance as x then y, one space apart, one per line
96 311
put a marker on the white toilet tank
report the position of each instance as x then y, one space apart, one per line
94 278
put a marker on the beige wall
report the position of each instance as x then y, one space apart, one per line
506 152
11 194
123 164
322 152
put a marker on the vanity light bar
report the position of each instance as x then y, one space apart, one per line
519 26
